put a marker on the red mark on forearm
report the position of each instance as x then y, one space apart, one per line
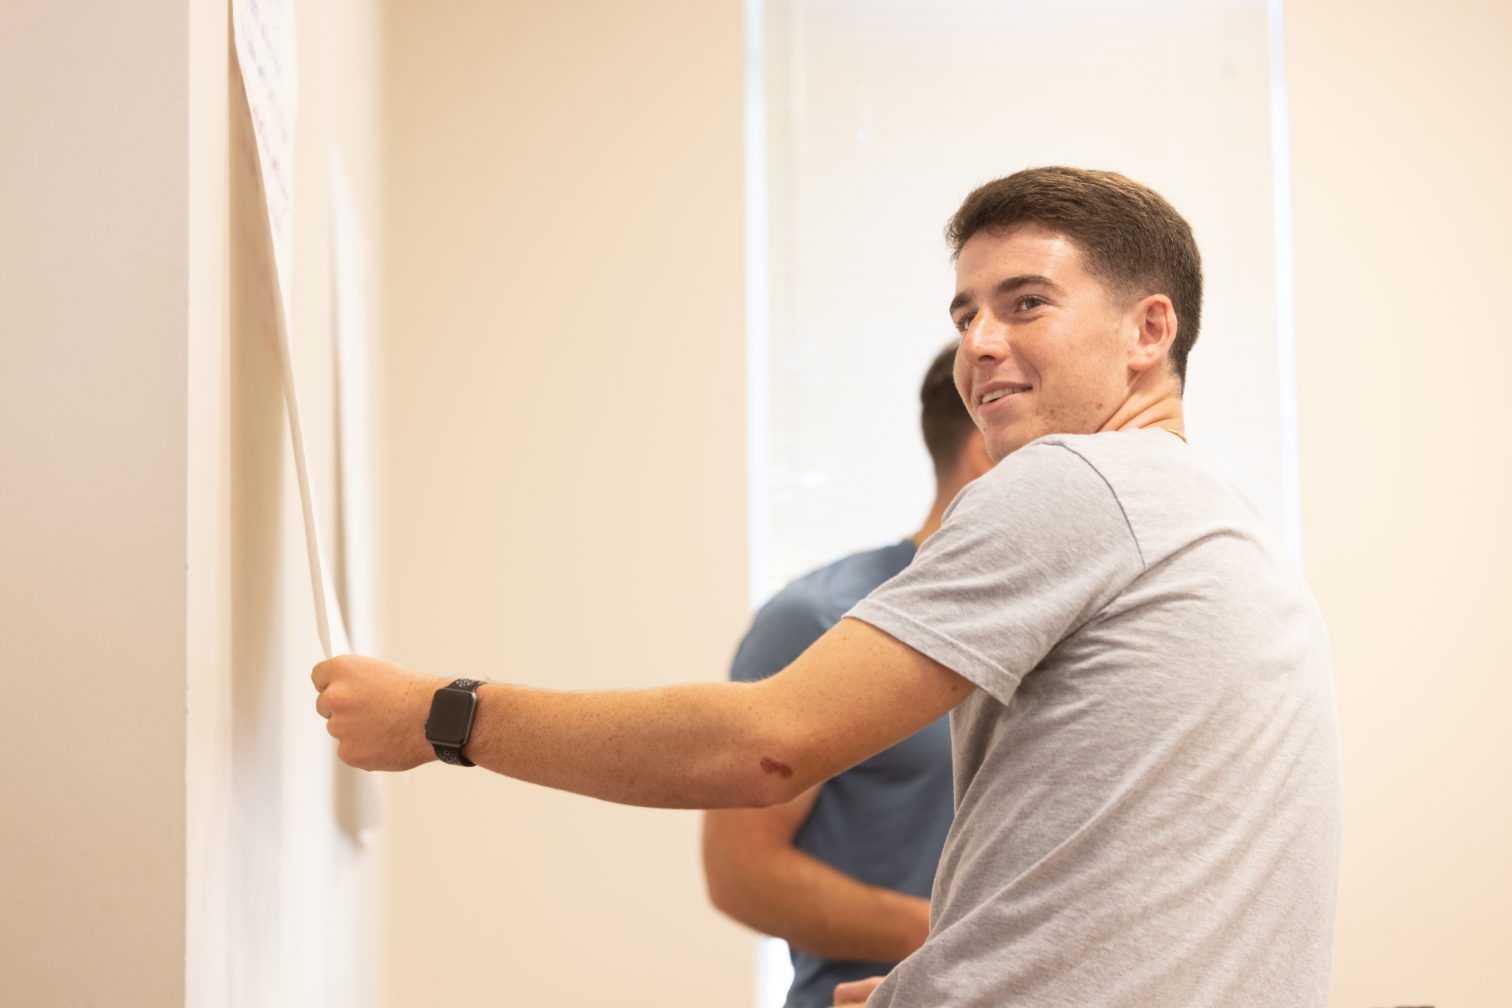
772 766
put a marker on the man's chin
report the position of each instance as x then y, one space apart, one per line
1005 444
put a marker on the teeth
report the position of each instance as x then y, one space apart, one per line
1000 393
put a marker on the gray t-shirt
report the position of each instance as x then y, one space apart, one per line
884 820
1147 778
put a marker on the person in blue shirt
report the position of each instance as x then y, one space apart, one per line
843 872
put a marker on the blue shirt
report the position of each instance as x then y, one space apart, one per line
883 821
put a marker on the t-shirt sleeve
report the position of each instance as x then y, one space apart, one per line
782 630
1026 554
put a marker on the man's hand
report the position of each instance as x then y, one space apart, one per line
757 875
857 991
376 710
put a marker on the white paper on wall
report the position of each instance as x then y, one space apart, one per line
263 31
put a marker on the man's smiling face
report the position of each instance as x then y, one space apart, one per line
1044 343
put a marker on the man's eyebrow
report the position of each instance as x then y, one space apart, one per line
1008 286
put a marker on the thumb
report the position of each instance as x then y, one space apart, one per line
857 991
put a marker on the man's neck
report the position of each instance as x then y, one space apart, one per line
1160 409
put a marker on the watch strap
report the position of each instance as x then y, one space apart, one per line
453 754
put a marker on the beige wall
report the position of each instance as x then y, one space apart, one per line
92 502
565 501
148 528
1401 142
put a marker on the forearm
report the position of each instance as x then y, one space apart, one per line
707 745
819 909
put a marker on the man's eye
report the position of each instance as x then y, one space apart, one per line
1030 302
964 322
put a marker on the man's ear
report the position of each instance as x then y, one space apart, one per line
1155 322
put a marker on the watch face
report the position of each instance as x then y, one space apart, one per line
451 717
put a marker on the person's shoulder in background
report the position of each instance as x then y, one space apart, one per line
809 605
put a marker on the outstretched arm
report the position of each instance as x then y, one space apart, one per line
853 693
759 877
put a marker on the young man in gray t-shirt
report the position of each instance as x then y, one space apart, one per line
1145 743
1146 776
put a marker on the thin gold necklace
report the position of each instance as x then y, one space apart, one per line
1178 434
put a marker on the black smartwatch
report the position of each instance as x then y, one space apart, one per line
451 719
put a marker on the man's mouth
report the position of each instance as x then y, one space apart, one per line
998 390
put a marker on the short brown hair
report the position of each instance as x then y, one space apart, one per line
942 414
1130 237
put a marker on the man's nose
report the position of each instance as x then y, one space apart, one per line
986 339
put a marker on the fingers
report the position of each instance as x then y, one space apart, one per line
857 991
321 676
373 709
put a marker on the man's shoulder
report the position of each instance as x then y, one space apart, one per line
1074 493
1132 467
1055 477
1167 492
1103 452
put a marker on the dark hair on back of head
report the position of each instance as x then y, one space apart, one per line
1129 236
942 414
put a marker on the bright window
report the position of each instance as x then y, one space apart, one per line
871 119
